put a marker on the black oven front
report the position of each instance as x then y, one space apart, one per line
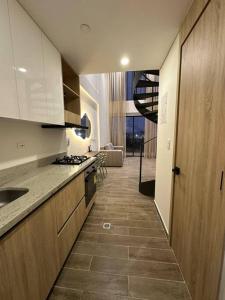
90 183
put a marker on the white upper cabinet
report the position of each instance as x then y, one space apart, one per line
29 65
8 99
53 82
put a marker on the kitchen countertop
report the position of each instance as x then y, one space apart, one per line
42 184
92 153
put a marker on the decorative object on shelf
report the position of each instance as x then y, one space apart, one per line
85 122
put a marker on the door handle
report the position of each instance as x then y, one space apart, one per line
176 170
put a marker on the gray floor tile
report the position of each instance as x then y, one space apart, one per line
100 249
152 254
65 294
153 289
124 240
79 261
150 232
150 269
93 282
99 229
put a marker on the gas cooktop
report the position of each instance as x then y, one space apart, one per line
71 160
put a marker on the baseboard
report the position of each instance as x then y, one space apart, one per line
161 218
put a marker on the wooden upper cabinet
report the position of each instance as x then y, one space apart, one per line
29 65
8 103
53 82
29 257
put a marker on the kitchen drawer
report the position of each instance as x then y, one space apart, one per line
67 199
70 230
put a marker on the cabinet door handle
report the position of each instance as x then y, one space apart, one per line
221 181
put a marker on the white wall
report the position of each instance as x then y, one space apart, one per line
97 86
168 85
77 145
38 142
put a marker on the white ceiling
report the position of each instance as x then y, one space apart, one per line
141 29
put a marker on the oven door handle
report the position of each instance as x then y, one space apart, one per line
88 174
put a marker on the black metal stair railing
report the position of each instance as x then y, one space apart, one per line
147 187
141 82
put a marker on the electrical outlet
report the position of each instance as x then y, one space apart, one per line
20 146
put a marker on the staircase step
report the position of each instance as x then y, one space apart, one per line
145 105
152 72
146 83
145 95
147 188
150 112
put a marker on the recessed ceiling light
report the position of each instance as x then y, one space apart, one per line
124 61
85 28
23 70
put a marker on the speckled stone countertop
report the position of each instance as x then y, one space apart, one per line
42 184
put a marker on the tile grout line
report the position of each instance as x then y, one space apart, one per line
126 235
134 260
142 247
134 235
125 275
91 262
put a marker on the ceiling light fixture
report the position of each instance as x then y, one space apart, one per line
124 61
85 28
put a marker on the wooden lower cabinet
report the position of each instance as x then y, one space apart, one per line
71 229
28 257
67 199
69 232
32 254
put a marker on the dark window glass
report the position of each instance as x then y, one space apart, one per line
135 128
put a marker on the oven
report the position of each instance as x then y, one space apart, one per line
90 183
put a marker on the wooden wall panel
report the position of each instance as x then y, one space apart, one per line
192 16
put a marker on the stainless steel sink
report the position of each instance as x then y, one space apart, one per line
8 195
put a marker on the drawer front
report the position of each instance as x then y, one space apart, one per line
67 199
69 232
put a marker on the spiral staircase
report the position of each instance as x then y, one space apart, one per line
145 95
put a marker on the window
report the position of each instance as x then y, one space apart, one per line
135 128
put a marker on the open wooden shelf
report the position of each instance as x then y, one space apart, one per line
69 93
71 117
71 90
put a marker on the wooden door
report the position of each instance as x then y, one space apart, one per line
199 205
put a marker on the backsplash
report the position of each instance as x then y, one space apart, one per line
29 168
23 142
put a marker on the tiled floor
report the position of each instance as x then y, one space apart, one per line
132 260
